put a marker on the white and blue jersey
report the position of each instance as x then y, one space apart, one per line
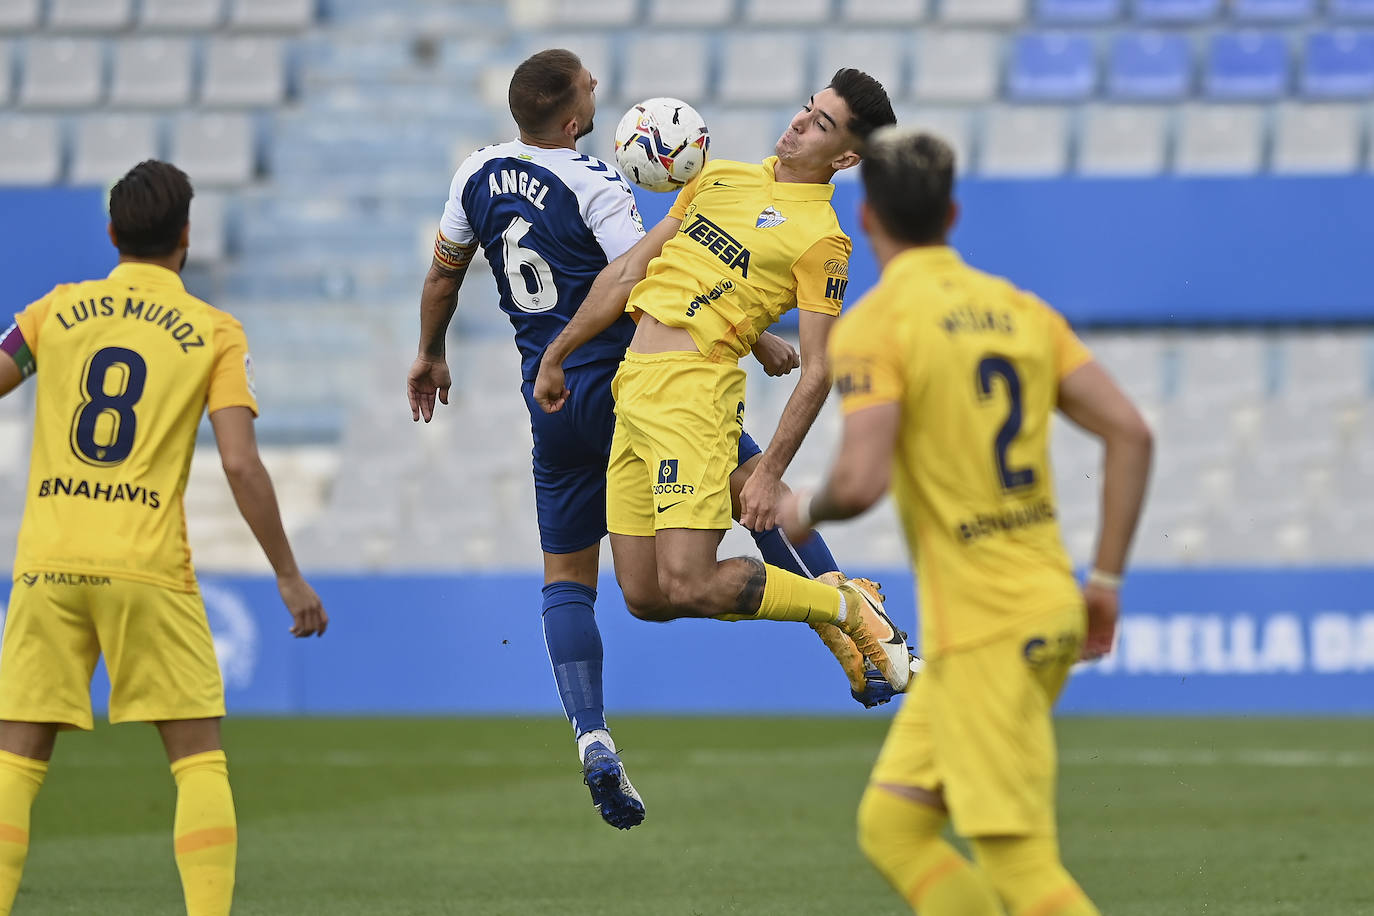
548 220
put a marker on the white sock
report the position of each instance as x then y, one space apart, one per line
843 609
588 738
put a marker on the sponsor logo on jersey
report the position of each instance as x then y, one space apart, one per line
51 578
1040 651
711 295
667 480
834 289
770 219
836 267
29 579
720 243
851 383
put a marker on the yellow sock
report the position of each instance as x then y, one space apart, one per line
788 596
20 780
206 833
1029 877
901 837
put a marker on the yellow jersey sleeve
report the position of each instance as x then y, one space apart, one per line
822 274
865 361
684 197
32 319
1070 353
231 376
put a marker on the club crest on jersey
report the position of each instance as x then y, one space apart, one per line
770 219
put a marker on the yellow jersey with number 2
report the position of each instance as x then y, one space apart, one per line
126 366
749 249
975 365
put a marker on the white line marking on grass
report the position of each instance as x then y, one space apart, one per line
1254 757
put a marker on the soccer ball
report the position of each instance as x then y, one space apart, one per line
661 144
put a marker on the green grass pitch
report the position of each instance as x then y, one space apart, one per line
753 816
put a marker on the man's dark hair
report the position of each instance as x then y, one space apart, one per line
869 106
149 208
908 181
543 87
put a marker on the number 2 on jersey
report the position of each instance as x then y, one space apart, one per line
994 367
527 273
104 426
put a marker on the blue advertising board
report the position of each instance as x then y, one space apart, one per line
1225 642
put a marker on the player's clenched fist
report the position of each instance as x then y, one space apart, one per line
550 393
777 356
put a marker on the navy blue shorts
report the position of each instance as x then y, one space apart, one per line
571 450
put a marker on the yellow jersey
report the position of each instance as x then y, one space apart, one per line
750 248
126 366
975 365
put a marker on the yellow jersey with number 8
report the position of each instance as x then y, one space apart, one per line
126 366
974 364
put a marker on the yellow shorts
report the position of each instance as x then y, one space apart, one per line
977 724
678 418
156 642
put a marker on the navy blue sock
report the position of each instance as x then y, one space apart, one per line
810 559
574 645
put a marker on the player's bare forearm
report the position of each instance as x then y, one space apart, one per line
438 302
797 418
257 502
863 470
1090 398
10 376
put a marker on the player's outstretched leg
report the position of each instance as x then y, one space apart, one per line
575 651
901 837
20 779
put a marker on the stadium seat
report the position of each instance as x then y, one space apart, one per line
877 53
1351 10
1052 66
107 146
695 13
983 12
180 15
151 72
873 12
1318 139
744 134
1333 368
1223 369
956 66
1220 139
1150 66
30 151
1339 65
1176 11
19 15
787 12
1024 142
1273 10
1247 65
1074 12
597 56
539 14
62 73
949 124
89 15
644 76
760 66
271 15
214 149
6 74
1123 140
243 72
207 224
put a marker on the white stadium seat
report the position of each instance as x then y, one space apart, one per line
873 12
1123 140
1024 142
787 12
19 15
1220 140
151 72
879 54
692 12
62 73
271 15
90 15
949 124
107 146
242 72
180 15
983 12
214 149
758 66
30 150
1318 139
955 66
644 76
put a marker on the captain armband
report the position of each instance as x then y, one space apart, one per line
453 255
12 342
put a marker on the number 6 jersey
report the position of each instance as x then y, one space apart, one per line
549 220
126 367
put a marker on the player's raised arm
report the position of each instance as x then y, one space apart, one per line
1090 398
257 501
605 303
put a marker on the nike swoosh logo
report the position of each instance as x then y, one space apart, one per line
720 184
670 505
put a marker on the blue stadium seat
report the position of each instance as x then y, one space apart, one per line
1339 64
1247 65
1274 10
1078 11
1150 65
1052 66
1176 10
1352 9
